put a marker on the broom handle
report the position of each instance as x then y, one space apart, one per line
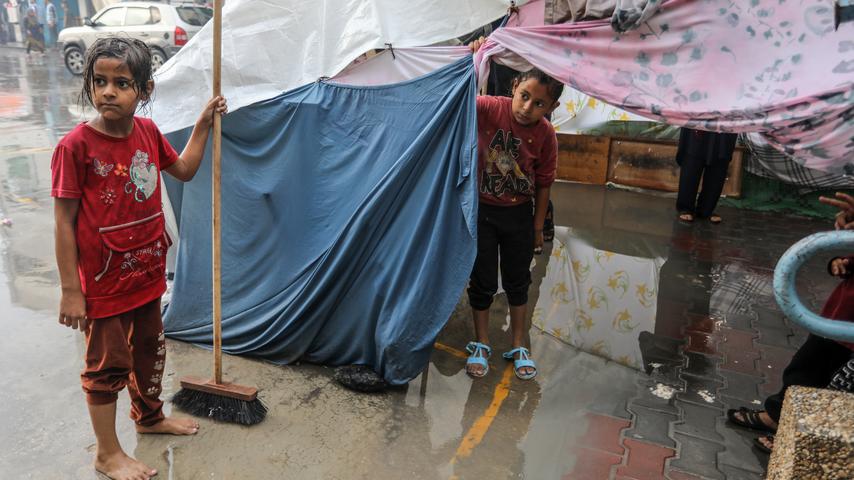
216 213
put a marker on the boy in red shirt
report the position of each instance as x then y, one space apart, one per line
517 157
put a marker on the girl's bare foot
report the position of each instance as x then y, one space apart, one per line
119 466
172 426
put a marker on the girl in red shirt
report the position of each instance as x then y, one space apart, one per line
517 158
111 243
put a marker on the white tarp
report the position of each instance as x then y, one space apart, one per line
273 46
399 65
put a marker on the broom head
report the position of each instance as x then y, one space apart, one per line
226 402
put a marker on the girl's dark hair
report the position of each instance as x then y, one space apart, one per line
555 88
134 53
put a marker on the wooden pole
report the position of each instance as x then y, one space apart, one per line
215 192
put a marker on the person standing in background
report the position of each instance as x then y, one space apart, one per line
702 155
51 19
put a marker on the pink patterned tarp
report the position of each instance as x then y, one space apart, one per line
774 67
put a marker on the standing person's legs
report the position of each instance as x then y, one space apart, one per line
108 367
714 178
517 249
148 347
483 282
689 182
812 366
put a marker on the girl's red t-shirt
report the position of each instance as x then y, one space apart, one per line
121 235
513 159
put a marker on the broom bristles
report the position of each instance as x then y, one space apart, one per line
218 407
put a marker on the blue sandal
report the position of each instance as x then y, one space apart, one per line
477 349
523 361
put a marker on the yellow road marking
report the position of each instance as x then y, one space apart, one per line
478 430
453 351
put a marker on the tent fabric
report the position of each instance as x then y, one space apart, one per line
781 70
768 162
399 65
278 45
624 15
349 220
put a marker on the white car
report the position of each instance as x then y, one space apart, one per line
165 28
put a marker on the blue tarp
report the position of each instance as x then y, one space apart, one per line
349 224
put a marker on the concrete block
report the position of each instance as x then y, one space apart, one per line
815 439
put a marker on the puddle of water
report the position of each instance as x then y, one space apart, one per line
598 300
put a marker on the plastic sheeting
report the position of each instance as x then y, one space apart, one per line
715 65
348 224
400 65
277 45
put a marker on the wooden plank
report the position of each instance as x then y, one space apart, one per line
732 187
638 163
650 164
583 158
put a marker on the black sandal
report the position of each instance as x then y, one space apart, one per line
751 419
549 224
761 446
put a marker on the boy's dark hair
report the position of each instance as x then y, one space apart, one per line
555 87
134 53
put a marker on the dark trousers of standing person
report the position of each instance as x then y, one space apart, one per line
508 231
713 179
705 155
813 365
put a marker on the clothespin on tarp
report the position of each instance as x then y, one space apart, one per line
843 11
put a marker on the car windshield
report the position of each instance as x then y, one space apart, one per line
195 16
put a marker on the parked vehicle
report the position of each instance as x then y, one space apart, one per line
164 27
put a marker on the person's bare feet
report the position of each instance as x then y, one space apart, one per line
715 218
119 466
172 426
686 217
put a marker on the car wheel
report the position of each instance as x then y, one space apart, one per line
74 60
158 58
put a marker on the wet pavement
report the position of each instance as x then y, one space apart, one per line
716 340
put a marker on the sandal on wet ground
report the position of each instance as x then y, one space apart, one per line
523 361
687 217
749 419
479 353
715 218
757 442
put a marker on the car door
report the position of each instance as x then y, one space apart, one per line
108 22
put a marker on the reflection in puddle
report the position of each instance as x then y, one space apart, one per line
597 300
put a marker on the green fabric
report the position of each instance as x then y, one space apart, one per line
634 129
767 195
